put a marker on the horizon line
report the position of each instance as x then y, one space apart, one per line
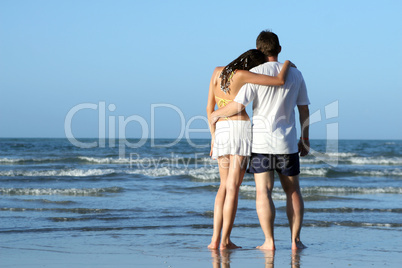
67 138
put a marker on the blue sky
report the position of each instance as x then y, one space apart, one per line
133 55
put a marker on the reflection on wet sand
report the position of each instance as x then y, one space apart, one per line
295 260
269 256
221 259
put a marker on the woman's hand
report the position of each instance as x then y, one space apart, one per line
213 118
212 147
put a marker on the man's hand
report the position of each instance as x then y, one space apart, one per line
231 109
304 147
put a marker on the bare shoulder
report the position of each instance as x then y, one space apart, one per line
216 74
242 76
241 73
218 69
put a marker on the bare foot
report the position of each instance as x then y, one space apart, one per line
267 246
298 245
230 245
213 245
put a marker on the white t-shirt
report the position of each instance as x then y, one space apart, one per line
274 127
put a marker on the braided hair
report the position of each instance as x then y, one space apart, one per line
245 61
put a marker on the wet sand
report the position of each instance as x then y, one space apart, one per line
327 247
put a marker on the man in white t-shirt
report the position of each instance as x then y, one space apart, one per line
274 145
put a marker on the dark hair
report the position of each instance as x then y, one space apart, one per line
245 61
268 43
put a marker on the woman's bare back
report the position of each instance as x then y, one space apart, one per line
221 97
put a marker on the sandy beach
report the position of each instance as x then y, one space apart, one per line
334 247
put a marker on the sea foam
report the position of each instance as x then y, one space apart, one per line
69 191
351 190
376 160
203 173
23 160
334 190
308 171
380 173
58 173
106 160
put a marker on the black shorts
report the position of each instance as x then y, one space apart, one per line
286 164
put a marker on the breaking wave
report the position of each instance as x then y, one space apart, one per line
70 191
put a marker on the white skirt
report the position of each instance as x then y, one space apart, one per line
232 137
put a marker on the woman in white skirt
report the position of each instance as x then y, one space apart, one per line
231 137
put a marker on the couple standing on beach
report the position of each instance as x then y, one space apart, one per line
271 141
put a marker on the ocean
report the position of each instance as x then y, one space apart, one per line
152 206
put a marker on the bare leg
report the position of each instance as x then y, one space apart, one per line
233 182
264 183
219 201
242 172
294 207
